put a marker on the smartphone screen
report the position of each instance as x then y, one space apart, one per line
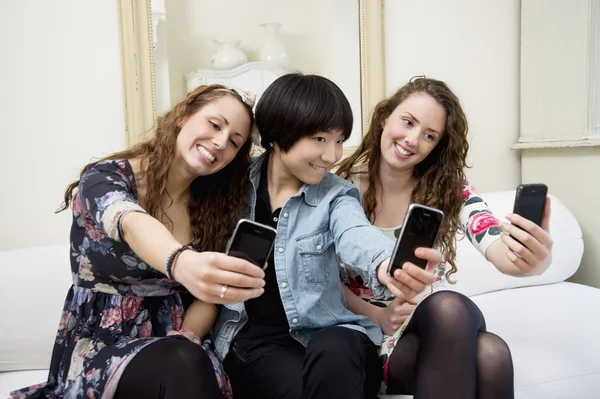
530 201
420 229
254 240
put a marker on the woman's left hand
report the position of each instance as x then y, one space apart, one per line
395 314
533 254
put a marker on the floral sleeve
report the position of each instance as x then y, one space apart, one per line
106 195
480 225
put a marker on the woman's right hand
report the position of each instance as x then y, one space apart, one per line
411 280
205 274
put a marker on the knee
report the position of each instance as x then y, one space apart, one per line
449 308
186 358
446 301
493 355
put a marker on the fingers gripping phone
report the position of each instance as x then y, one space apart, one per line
530 201
254 240
420 229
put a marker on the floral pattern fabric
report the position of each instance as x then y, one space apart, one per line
117 305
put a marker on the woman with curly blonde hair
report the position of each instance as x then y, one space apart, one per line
149 227
415 151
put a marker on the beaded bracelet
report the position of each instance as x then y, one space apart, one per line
171 259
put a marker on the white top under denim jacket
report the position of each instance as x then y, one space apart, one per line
318 227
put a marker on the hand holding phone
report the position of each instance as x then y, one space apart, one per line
252 241
411 280
530 224
420 230
205 274
530 201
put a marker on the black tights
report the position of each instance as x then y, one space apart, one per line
171 368
446 353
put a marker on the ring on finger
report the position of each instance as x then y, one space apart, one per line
223 291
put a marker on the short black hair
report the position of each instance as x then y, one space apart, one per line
296 106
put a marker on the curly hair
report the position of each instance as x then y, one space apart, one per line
217 201
439 178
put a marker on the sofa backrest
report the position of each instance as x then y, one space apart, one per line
477 276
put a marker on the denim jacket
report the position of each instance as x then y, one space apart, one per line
319 227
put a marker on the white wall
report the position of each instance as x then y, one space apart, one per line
572 174
555 105
61 104
321 37
554 69
474 47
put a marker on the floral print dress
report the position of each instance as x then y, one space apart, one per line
481 228
117 304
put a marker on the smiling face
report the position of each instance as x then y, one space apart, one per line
412 131
211 138
310 158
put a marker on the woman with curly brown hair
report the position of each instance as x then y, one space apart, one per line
415 152
149 227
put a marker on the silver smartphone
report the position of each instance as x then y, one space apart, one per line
420 230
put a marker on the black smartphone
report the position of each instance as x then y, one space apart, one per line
420 229
530 201
255 240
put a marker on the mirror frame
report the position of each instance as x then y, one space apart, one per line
138 71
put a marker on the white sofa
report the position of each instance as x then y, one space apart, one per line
550 325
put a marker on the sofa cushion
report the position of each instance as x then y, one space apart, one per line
11 380
33 288
551 331
476 275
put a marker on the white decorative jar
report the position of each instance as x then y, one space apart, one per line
227 54
273 49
